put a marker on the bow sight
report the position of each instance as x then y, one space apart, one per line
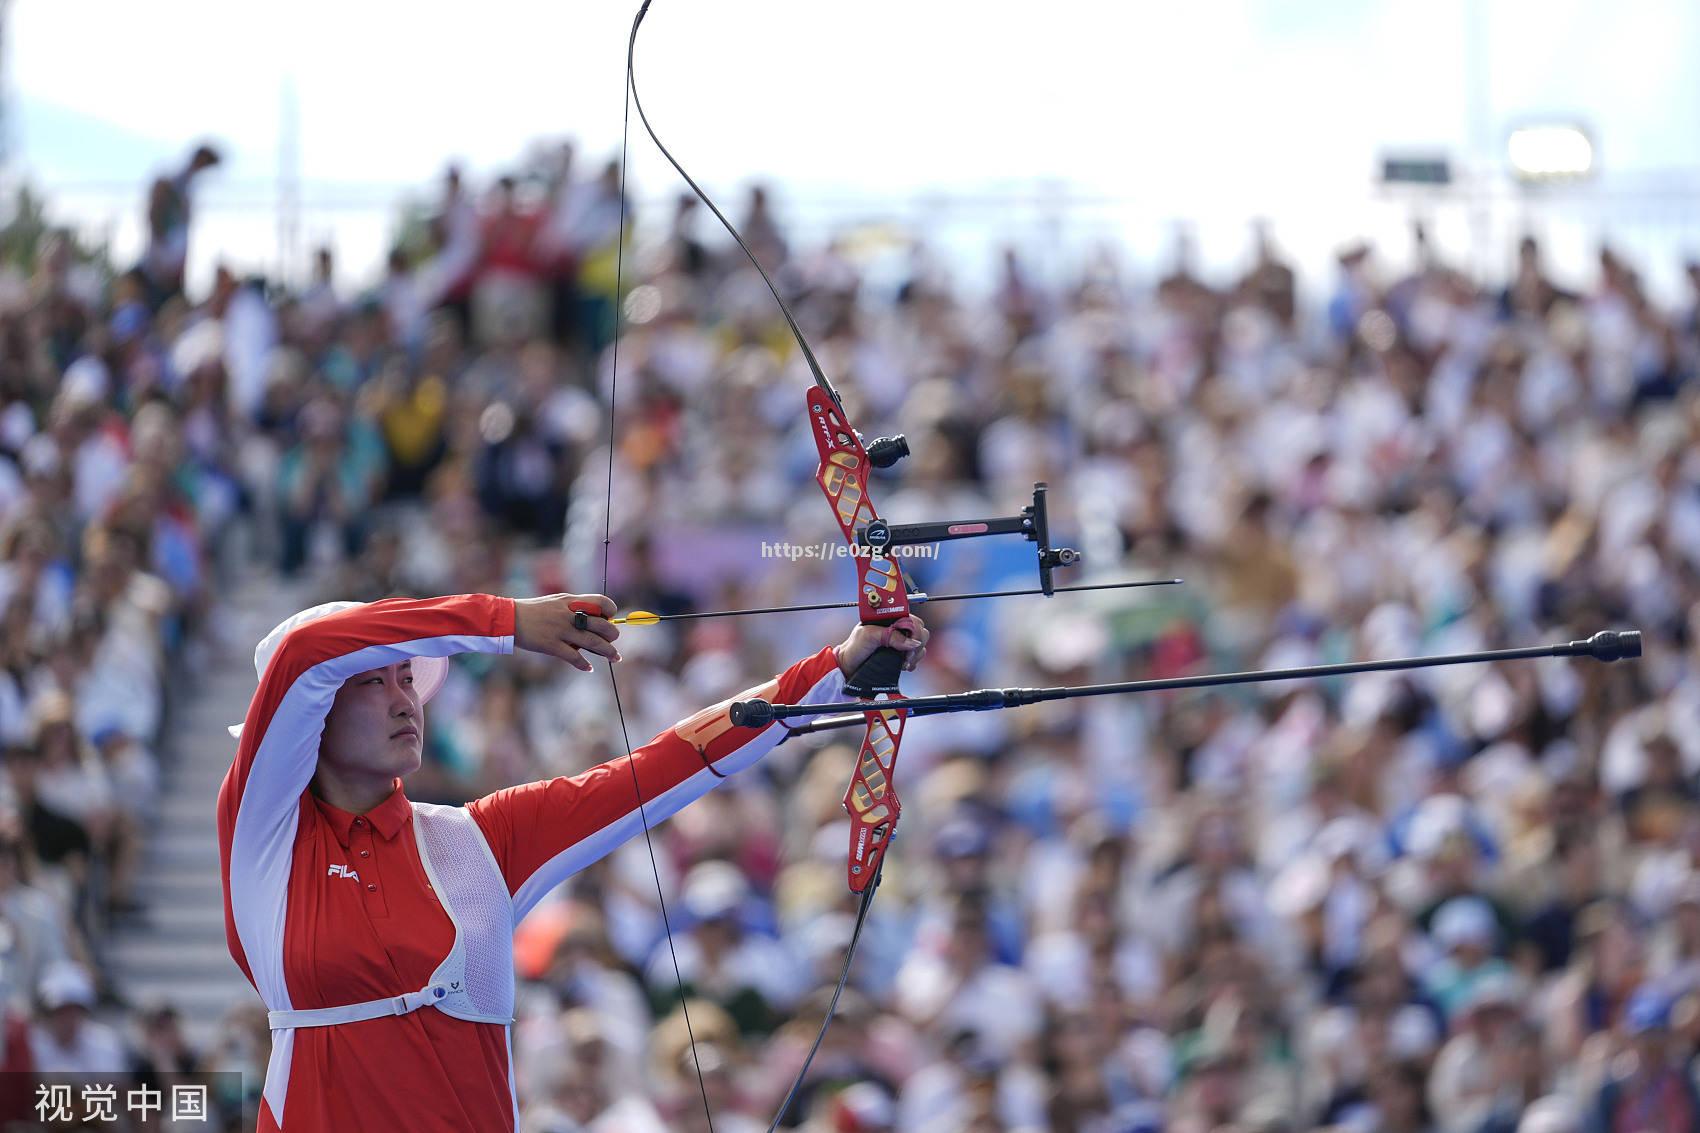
1033 523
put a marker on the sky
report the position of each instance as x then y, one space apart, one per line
1215 111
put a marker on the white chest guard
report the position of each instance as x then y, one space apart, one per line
475 981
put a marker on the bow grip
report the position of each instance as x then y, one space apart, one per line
878 674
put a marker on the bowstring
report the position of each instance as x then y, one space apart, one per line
627 91
832 1007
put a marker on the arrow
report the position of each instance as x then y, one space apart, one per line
648 618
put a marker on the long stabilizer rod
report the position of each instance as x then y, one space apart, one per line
1607 645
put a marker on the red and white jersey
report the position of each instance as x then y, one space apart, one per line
325 908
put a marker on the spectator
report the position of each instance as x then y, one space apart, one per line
449 274
411 409
67 1040
36 937
332 477
596 240
1465 930
962 988
1420 903
164 1055
745 975
319 308
170 206
1653 1088
509 305
556 248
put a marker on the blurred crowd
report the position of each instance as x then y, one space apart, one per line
1459 901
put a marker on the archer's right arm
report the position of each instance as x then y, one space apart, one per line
259 802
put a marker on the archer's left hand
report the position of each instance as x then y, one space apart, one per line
906 635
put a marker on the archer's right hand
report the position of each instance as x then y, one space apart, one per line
546 625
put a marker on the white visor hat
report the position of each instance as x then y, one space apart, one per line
428 672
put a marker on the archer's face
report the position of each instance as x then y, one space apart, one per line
374 726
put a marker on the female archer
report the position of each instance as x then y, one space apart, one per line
379 931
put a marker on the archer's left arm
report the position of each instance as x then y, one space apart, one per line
541 833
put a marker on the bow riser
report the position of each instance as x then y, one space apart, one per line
882 598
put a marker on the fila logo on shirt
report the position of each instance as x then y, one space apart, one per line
343 871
